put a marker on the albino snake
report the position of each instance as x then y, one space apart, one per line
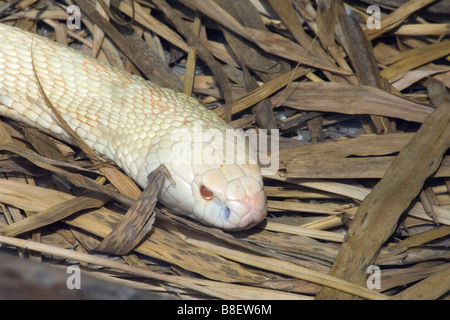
134 123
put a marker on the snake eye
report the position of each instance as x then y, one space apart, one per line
206 193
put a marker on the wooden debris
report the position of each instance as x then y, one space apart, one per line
137 222
22 284
402 182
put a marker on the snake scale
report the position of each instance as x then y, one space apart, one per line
136 124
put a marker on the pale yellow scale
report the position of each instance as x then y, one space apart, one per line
129 120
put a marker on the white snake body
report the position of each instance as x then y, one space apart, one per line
131 121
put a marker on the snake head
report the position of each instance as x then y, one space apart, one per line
216 191
229 196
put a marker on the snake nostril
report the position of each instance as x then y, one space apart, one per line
206 193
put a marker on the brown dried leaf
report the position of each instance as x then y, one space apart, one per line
137 222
